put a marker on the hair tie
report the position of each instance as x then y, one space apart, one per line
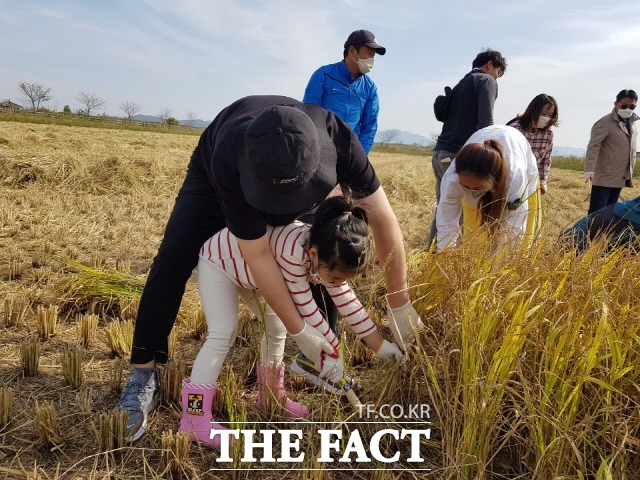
487 142
347 212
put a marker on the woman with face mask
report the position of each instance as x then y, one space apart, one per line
492 185
535 124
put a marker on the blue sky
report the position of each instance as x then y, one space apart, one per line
200 55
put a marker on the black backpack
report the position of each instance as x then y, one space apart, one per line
441 104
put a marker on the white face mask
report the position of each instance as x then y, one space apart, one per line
364 64
626 113
316 279
474 193
543 121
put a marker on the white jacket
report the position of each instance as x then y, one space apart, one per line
522 182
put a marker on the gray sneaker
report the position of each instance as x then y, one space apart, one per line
140 395
302 366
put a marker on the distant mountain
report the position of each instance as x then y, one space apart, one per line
568 152
407 138
404 138
153 118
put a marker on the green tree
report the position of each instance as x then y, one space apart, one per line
172 122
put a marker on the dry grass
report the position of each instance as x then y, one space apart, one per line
529 359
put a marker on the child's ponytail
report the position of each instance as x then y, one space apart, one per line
340 232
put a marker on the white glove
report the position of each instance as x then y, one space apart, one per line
332 369
313 344
403 322
389 350
588 176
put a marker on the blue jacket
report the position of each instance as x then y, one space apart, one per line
355 101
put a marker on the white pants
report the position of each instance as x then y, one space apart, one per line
219 297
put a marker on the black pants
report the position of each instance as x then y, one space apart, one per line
602 196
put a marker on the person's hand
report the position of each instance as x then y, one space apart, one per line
543 188
313 345
332 369
389 350
403 322
588 177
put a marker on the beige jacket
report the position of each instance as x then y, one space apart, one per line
611 153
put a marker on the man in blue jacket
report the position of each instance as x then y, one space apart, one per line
345 89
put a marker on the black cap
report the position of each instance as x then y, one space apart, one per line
365 37
290 161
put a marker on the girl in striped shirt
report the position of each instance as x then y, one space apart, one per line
331 251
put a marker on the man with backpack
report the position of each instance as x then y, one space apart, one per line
467 108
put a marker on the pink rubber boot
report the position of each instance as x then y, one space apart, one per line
271 387
196 419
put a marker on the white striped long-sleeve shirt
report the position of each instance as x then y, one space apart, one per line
289 246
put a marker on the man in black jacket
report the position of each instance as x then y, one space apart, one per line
470 109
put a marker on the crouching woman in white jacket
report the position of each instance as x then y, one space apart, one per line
491 185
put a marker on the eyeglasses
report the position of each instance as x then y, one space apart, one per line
624 107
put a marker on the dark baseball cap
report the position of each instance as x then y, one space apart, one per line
289 163
365 37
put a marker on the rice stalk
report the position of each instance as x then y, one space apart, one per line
129 307
171 375
6 404
30 356
86 329
47 320
116 375
16 267
172 343
175 452
72 366
111 430
47 425
15 309
119 337
123 265
84 399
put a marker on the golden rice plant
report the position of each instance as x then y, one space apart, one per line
530 370
85 286
111 431
47 425
86 329
47 320
30 355
72 366
171 375
175 453
119 337
15 309
6 404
